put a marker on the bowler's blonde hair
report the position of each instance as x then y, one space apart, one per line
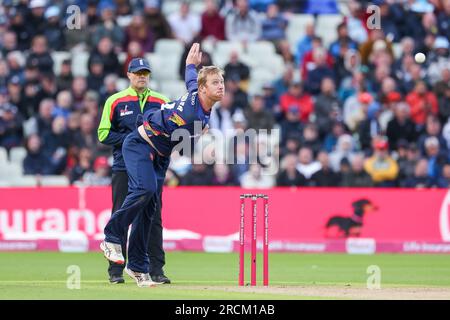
205 71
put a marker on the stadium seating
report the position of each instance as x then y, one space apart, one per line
58 58
3 156
169 47
167 66
296 28
17 154
326 27
24 181
80 64
54 181
173 89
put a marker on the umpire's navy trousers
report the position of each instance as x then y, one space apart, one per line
142 185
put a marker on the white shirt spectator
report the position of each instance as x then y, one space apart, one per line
185 25
246 27
255 179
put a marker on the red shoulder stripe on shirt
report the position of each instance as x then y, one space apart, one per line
122 99
155 99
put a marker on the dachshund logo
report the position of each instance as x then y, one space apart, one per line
343 227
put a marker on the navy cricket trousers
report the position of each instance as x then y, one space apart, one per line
136 209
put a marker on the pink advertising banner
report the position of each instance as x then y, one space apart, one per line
207 219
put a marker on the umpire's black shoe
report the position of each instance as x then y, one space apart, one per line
160 279
115 279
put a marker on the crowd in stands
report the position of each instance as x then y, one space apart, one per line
353 112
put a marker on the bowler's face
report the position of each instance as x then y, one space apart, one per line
215 87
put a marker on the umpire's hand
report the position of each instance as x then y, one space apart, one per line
194 56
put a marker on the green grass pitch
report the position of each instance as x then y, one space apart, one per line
43 275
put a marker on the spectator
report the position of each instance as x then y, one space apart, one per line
420 179
96 73
200 175
354 107
357 176
221 115
236 69
242 24
87 136
344 149
185 25
18 26
444 180
140 32
305 44
380 166
223 176
104 52
317 73
39 54
282 84
401 127
48 85
327 108
108 27
407 162
83 164
274 25
79 88
291 127
63 105
442 92
432 129
307 166
14 90
422 103
325 177
54 31
439 60
256 179
240 97
65 77
296 97
261 5
356 25
435 156
35 162
212 23
100 176
342 39
368 127
310 138
156 20
289 176
443 19
314 56
331 138
257 116
10 123
41 122
35 21
134 50
9 43
56 143
376 42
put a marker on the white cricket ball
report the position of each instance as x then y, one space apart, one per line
419 57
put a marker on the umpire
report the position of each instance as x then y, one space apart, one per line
119 118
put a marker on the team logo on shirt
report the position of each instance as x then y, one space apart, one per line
125 111
175 118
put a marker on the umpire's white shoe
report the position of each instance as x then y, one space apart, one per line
112 252
143 280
